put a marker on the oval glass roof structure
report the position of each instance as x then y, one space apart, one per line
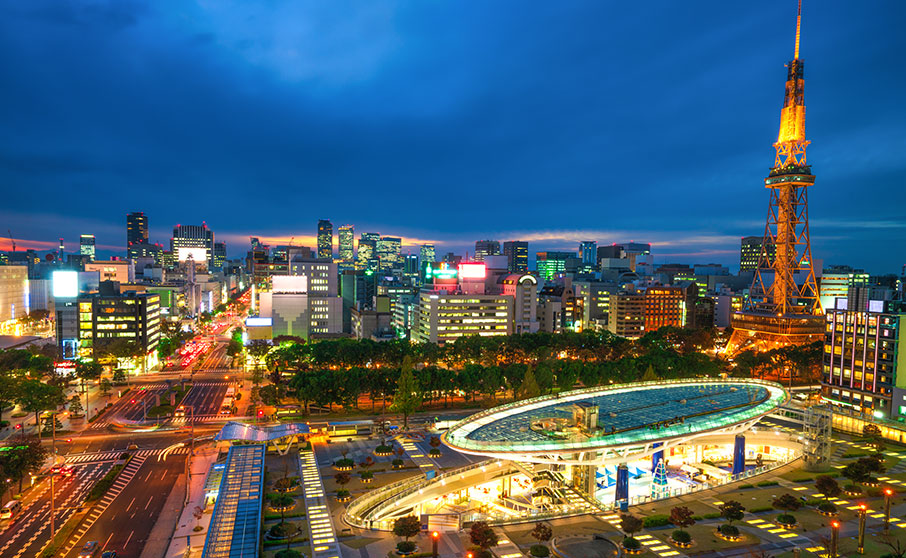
616 416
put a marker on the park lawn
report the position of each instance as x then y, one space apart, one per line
705 540
357 543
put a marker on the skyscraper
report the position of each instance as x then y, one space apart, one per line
486 248
516 252
388 251
426 253
325 239
783 306
368 253
86 246
196 241
346 238
136 228
752 250
588 253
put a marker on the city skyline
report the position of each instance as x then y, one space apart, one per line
562 108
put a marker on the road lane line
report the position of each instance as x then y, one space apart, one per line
149 502
130 504
125 544
107 541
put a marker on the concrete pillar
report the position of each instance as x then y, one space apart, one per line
622 489
739 454
657 456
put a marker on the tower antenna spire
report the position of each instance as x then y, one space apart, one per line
798 25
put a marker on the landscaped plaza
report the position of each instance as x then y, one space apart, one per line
540 460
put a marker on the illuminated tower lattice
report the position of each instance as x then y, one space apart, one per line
659 488
783 306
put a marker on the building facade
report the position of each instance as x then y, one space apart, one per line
325 239
346 239
136 228
195 241
87 246
14 292
516 252
484 248
444 317
627 314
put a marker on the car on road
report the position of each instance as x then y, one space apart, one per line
10 509
109 554
132 447
92 549
62 469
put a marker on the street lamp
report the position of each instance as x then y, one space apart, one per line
862 509
887 494
434 537
835 532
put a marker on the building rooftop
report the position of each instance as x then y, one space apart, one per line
628 414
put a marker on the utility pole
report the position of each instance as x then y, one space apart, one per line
53 449
191 409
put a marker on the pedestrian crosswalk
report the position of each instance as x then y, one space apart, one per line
115 455
201 418
122 480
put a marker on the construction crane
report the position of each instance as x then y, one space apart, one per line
11 241
291 241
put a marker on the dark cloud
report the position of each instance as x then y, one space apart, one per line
447 120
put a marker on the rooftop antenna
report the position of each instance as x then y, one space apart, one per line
798 26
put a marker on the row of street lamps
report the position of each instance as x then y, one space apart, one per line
863 511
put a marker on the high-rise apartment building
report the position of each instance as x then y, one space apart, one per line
669 305
87 246
325 239
485 248
14 292
193 241
751 253
516 252
346 239
863 370
136 228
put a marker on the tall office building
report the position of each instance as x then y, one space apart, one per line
325 239
136 228
219 255
195 241
752 250
486 248
368 251
551 264
516 252
388 252
426 254
588 253
86 246
346 238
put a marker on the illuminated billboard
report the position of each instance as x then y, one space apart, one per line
441 272
200 255
472 271
255 321
65 284
290 284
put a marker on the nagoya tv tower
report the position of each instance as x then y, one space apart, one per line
783 307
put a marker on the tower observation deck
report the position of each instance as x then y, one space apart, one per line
783 306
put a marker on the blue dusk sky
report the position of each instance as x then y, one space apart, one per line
449 122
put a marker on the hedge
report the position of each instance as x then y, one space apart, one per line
102 486
657 520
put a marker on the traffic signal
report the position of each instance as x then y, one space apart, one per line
260 412
19 426
132 401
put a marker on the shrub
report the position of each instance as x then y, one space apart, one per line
102 486
786 519
853 488
697 517
787 502
761 509
287 553
434 452
539 551
631 543
405 546
657 520
768 483
342 493
744 486
804 479
728 530
344 462
383 448
813 502
712 515
397 462
366 475
681 536
827 507
279 531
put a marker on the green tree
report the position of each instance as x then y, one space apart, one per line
529 387
407 526
75 407
26 458
731 510
119 376
649 375
482 535
542 532
828 486
9 387
682 517
35 396
106 386
408 395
